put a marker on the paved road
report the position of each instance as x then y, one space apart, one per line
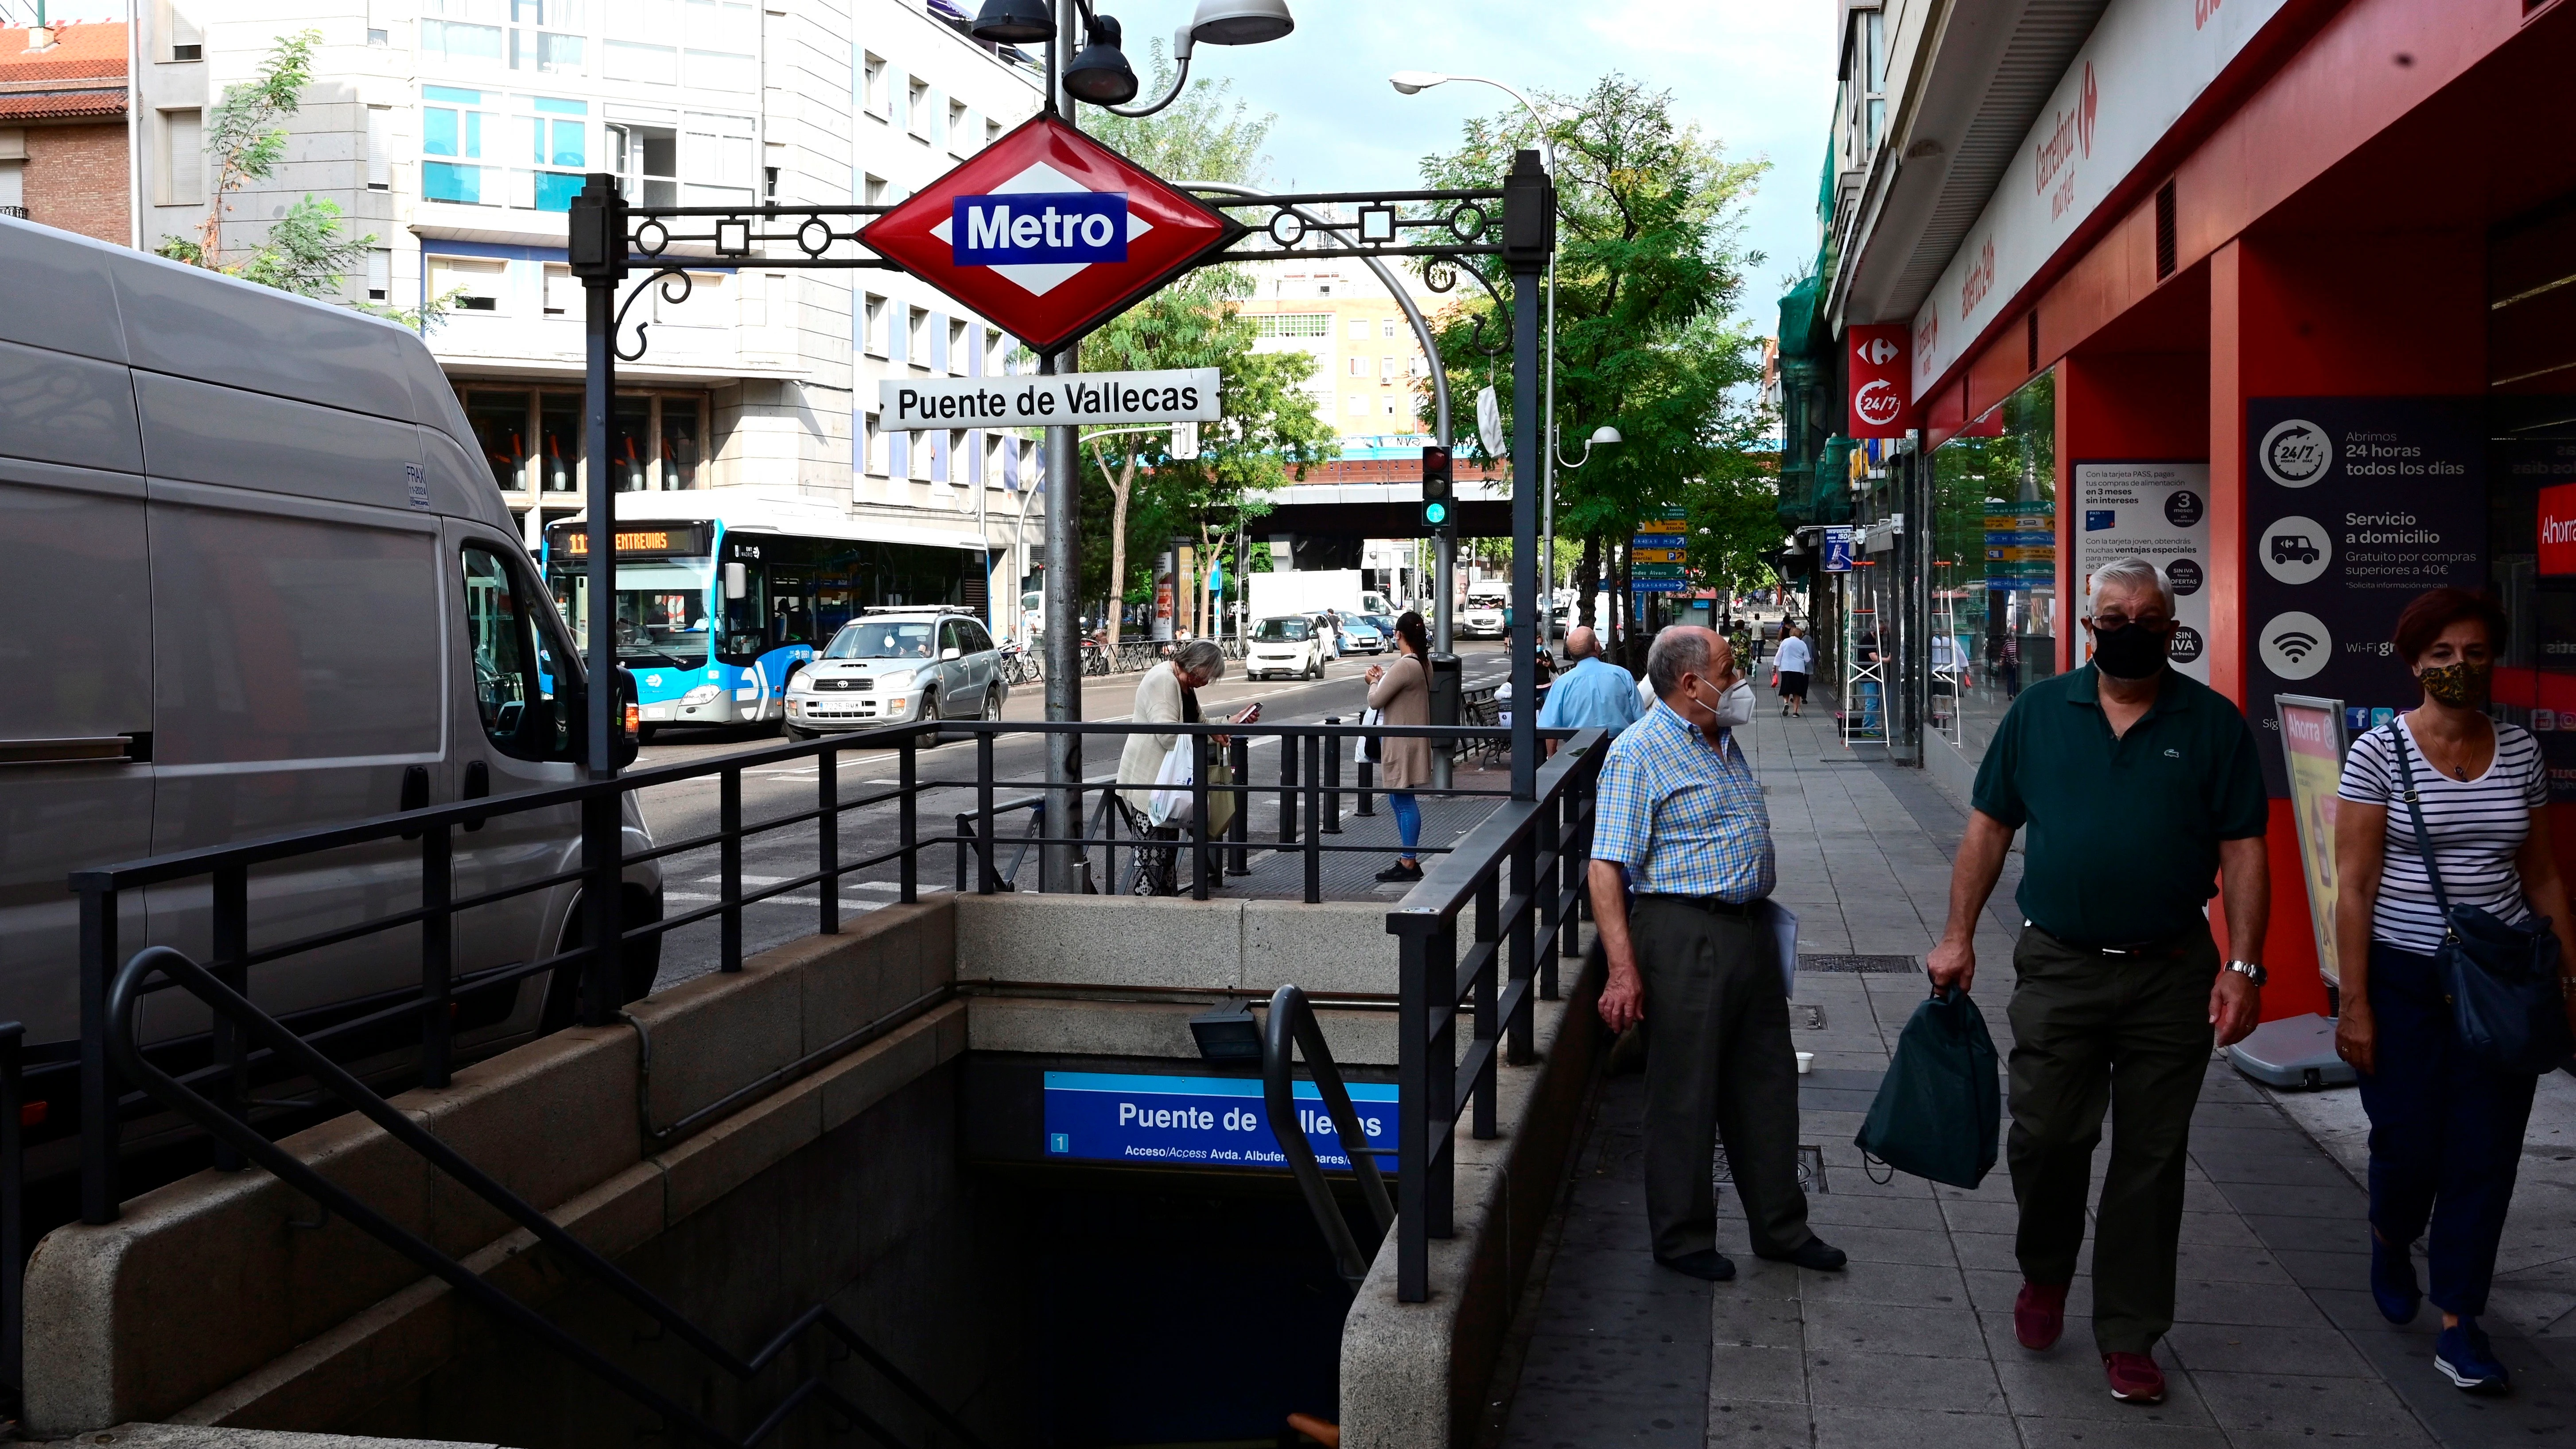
680 811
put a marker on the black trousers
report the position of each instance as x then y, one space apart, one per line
1718 1065
2445 1133
2129 1034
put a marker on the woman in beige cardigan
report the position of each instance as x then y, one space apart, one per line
1401 693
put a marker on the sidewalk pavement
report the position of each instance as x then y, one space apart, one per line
2276 1342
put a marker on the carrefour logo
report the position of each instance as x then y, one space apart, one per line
1039 229
1059 226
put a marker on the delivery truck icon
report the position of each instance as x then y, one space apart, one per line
2293 548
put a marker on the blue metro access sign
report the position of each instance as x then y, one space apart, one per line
1198 1121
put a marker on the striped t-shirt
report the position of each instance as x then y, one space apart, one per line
2477 827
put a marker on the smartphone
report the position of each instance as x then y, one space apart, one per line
1250 713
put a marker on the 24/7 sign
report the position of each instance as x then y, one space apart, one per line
1047 233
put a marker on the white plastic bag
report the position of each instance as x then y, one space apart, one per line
1170 803
1360 747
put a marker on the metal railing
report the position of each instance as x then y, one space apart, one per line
419 1022
175 969
1291 1029
13 1246
1542 845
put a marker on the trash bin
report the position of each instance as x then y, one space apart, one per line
1445 691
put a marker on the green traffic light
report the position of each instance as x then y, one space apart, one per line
1435 514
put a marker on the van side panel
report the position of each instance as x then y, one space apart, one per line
63 408
189 322
58 294
459 486
298 653
209 434
78 654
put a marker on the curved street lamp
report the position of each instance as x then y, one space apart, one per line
1414 83
1100 74
1602 436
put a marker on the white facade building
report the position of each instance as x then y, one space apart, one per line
456 131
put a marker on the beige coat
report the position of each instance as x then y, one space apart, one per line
1158 701
1403 692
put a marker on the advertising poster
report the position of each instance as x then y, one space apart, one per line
1838 550
2539 476
2158 512
1214 1121
2353 506
1166 597
2312 736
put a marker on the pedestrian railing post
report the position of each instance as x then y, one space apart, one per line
1331 779
1238 830
909 822
965 844
437 958
729 870
1314 819
98 1125
988 867
1290 746
1551 889
1482 1089
603 837
1413 1118
1524 955
1440 1090
1202 850
230 922
827 825
1367 778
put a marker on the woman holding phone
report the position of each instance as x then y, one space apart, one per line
1401 694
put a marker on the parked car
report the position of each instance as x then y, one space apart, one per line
1290 645
315 611
1359 636
894 665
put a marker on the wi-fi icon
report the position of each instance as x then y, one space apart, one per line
2294 646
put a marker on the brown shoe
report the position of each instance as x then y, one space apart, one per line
2135 1379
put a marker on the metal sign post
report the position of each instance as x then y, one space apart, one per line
1529 239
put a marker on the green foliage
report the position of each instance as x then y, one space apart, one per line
1650 267
1209 134
305 253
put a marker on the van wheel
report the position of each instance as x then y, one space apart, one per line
641 963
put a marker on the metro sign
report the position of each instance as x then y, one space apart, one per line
1046 233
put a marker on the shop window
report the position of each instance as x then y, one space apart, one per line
1995 612
504 422
559 442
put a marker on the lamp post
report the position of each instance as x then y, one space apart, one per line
1096 73
1415 82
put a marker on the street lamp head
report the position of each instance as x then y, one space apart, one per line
1011 21
1240 22
1606 434
1415 82
1100 74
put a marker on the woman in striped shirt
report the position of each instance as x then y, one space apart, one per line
2445 1129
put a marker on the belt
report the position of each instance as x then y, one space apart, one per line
2173 945
1714 905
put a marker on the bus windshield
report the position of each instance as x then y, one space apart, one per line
661 610
883 639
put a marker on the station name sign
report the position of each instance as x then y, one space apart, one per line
1203 1121
1183 395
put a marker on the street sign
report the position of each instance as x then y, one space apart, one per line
1649 553
1662 525
1838 550
1662 542
1655 570
1046 232
1036 401
1658 586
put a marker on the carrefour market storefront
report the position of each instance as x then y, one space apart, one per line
2284 298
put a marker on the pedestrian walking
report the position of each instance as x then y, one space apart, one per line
1795 658
1593 694
1167 694
1678 809
2138 785
2446 1128
1401 694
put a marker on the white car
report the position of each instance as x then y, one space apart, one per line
1288 646
894 665
1481 621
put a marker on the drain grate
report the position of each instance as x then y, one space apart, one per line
1863 965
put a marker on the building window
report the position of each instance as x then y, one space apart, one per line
1358 406
873 191
1385 371
992 131
872 455
477 284
916 337
916 108
455 32
1359 329
1386 328
182 37
872 333
563 292
957 128
380 163
643 42
957 348
647 161
872 85
546 36
380 273
1293 324
532 438
1359 367
183 157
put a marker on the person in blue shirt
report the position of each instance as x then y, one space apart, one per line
1594 694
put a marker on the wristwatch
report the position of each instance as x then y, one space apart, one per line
2250 971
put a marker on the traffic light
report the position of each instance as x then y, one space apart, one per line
1435 490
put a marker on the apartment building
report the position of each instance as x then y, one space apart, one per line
456 132
1368 367
62 128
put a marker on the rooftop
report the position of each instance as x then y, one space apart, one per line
81 74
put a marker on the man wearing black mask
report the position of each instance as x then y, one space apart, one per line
2139 787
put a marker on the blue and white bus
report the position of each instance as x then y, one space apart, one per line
723 595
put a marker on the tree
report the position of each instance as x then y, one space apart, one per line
1267 424
1649 268
304 252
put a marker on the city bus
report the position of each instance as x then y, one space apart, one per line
723 596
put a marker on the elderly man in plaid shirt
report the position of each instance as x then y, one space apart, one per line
1679 810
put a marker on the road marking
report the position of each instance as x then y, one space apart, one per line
704 896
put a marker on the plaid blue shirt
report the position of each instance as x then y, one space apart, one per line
1684 816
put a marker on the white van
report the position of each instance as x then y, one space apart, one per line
260 583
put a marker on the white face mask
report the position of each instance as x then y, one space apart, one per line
1735 707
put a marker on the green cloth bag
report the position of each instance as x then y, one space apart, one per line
1939 1110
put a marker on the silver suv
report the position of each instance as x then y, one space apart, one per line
895 665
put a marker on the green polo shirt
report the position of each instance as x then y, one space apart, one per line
2124 829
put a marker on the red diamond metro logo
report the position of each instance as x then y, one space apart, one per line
1046 233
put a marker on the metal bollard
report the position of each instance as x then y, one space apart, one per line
1331 779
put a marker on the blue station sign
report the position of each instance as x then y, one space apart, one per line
1198 1121
1047 226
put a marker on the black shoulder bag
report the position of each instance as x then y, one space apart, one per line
2501 980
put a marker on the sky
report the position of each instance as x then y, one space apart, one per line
1757 75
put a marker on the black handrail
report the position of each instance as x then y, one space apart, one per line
1545 842
125 995
1291 1028
13 1246
102 1104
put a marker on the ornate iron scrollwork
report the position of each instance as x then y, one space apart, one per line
668 277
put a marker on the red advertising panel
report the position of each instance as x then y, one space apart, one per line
1046 232
1882 405
2558 529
